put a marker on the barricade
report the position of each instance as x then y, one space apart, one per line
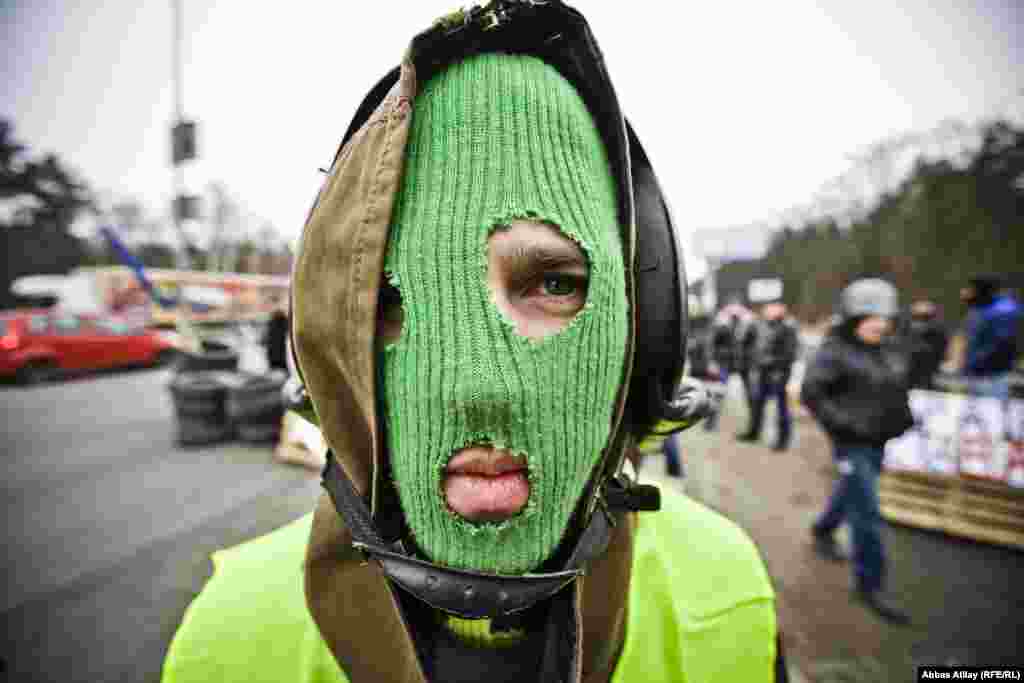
215 406
199 407
960 470
255 407
213 356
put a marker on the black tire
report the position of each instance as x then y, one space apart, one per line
37 372
214 356
268 432
199 406
201 432
165 358
257 399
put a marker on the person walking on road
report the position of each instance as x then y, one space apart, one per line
275 339
993 322
774 355
746 344
722 347
856 388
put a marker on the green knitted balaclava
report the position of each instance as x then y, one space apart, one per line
495 138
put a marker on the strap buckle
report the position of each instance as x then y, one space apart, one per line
493 18
620 493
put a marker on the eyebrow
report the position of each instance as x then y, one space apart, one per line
530 256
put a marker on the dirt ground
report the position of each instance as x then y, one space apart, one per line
966 599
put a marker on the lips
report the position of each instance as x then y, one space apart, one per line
483 484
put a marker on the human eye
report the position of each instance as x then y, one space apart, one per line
562 284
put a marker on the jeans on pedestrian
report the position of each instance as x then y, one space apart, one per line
673 463
767 390
993 386
711 421
855 500
748 389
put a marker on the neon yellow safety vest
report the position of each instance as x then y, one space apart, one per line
701 609
652 442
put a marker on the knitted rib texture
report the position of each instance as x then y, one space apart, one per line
495 138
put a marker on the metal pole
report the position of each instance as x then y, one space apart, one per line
176 9
178 179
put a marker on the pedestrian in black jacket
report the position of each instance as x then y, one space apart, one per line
926 344
721 344
276 340
775 352
856 387
746 342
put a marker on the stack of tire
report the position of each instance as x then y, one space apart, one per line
213 356
255 407
199 390
213 402
200 400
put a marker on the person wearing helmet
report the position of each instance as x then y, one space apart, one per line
856 388
488 312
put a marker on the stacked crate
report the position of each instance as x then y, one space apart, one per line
960 505
965 483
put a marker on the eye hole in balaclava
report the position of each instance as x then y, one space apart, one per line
503 162
538 278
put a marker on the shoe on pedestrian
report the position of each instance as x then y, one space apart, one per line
880 606
825 545
748 437
781 446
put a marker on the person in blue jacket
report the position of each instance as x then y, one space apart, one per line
993 323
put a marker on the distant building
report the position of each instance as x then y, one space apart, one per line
724 245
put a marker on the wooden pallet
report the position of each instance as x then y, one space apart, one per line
970 507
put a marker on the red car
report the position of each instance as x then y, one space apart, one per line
37 344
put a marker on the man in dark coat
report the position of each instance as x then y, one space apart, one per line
721 343
774 355
276 340
856 388
746 343
926 342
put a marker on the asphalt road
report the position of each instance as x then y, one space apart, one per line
109 526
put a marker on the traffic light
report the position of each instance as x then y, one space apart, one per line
187 207
183 142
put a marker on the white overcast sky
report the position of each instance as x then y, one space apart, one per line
745 107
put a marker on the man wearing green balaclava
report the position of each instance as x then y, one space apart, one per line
494 428
464 301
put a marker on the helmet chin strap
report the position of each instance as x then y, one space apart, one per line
476 595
